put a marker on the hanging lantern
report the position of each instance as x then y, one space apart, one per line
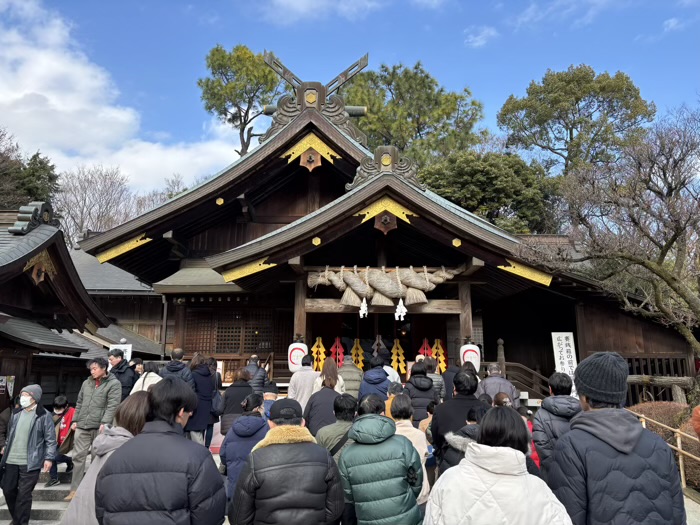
295 353
471 352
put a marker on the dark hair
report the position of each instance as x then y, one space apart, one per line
502 399
131 414
116 352
401 407
419 369
430 364
430 409
252 401
177 354
197 360
525 412
468 366
477 413
99 361
307 360
167 397
371 404
594 403
241 374
465 383
150 366
376 362
503 427
345 407
60 402
212 364
560 384
329 373
394 389
486 399
137 361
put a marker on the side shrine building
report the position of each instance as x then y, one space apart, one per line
293 236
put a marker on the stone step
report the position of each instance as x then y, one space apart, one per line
41 510
62 477
55 493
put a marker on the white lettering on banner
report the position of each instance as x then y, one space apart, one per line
565 354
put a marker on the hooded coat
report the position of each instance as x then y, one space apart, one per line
491 486
450 416
382 473
233 399
204 388
319 410
421 391
126 376
449 378
609 469
178 369
288 479
82 507
551 422
375 381
258 377
352 376
160 478
246 432
146 380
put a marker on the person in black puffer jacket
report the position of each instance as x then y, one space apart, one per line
159 477
553 418
420 389
176 368
608 468
258 375
288 478
204 388
122 371
234 396
448 377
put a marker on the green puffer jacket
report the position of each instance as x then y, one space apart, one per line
382 473
96 406
352 377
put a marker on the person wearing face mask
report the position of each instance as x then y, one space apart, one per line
30 447
62 420
159 477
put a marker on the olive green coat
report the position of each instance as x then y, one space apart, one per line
96 406
382 473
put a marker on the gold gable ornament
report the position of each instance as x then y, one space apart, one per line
122 248
527 272
247 269
386 204
310 149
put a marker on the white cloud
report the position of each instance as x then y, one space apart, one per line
53 98
479 36
672 24
286 12
578 12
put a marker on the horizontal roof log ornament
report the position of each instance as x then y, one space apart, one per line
387 159
527 272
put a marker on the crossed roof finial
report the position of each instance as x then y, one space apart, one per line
334 85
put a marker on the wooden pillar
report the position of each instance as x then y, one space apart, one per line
180 312
300 308
465 312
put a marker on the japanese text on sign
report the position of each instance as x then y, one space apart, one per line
564 353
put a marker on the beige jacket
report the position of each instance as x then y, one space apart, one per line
406 429
146 380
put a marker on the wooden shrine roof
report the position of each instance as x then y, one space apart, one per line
34 242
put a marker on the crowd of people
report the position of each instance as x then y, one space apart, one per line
342 447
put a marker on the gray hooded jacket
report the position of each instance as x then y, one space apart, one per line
551 422
608 469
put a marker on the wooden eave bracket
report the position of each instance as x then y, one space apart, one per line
527 272
122 248
178 250
239 272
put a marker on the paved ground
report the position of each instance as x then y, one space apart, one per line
692 510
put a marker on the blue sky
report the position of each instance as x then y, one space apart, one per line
115 82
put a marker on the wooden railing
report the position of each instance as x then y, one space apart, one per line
678 447
525 379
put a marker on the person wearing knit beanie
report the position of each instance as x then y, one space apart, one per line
602 378
607 467
34 391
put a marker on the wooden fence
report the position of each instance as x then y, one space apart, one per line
678 447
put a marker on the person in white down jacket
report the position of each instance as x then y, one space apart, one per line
491 485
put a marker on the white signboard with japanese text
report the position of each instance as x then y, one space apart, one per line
565 354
